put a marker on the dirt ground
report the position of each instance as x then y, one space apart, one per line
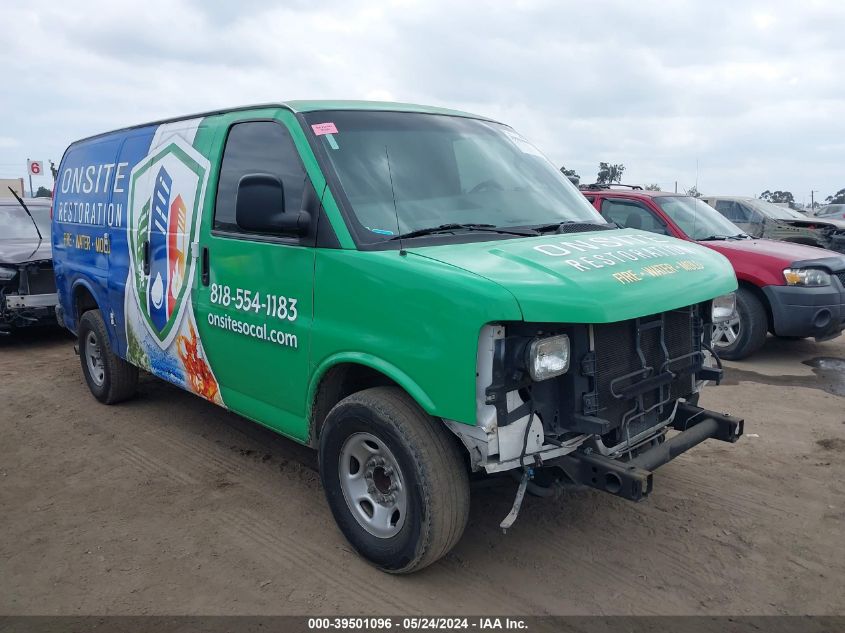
168 505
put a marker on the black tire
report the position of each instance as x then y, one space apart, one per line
753 327
432 475
118 380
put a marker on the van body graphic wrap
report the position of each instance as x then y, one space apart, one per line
166 191
117 199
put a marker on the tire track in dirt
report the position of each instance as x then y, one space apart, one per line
194 450
271 540
148 464
211 460
734 498
609 554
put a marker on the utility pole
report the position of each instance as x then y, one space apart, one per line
812 201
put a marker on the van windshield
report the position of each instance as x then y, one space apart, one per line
402 172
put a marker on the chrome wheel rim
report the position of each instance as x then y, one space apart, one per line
726 333
372 485
94 359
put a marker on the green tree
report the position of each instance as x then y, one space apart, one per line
43 192
777 196
610 173
571 174
694 192
837 198
653 187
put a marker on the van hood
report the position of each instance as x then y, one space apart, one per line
20 251
594 277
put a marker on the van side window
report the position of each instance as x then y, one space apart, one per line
631 215
257 147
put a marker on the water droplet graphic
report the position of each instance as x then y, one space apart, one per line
157 291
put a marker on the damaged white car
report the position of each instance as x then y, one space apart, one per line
27 284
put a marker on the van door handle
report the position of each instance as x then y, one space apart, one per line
205 271
146 257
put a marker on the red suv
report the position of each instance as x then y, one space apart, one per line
790 290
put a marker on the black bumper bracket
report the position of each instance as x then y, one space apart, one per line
632 479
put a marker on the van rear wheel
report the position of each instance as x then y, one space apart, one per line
110 378
394 479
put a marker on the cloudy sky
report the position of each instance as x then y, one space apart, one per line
751 92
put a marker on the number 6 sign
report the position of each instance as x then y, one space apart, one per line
36 167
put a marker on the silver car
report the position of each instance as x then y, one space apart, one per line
763 219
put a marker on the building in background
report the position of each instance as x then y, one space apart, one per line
14 183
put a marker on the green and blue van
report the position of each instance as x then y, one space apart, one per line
417 293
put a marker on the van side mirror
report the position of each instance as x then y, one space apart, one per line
260 207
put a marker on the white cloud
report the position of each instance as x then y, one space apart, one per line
752 91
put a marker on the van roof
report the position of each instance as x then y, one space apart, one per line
305 106
385 106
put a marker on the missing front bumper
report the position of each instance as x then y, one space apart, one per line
633 479
21 302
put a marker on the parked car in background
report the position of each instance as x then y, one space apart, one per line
789 289
27 285
759 218
832 212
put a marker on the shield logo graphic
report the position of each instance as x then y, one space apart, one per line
166 191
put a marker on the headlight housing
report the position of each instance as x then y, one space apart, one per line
724 308
7 274
548 357
811 277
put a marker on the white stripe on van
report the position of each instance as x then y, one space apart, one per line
186 129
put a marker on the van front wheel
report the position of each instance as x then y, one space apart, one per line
394 480
110 378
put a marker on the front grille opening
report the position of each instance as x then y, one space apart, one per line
634 361
40 280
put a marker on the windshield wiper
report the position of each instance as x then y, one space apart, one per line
450 228
711 238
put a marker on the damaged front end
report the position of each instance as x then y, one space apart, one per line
27 295
812 232
835 238
623 404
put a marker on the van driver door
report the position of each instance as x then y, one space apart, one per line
254 292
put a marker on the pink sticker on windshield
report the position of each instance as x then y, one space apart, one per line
324 128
